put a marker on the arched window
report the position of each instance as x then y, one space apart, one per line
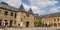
57 19
0 22
58 24
0 11
6 13
11 23
55 24
15 15
15 22
11 14
21 19
27 15
54 19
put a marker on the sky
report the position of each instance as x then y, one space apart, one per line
40 7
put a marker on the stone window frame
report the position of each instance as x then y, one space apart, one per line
15 22
12 13
55 24
15 15
27 15
1 21
57 19
0 10
59 24
5 12
54 19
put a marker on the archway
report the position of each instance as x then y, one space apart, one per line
11 22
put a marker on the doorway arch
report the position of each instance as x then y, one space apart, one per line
27 24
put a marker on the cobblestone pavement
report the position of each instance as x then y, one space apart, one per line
38 28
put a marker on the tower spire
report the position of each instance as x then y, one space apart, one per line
30 10
21 7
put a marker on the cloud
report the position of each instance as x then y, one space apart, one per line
40 12
26 7
14 3
36 5
35 9
43 3
55 9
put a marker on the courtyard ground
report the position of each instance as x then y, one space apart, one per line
37 28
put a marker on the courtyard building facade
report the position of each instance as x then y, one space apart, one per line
52 20
14 17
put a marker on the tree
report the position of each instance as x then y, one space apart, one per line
38 23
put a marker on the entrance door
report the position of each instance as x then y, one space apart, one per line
11 22
27 24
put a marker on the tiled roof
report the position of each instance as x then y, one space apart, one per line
51 15
13 8
8 7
